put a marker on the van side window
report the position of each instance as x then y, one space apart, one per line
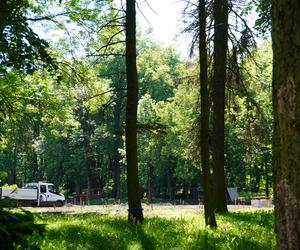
52 189
30 186
43 188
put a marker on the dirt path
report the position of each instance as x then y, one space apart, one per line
167 210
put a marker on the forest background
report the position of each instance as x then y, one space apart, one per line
64 123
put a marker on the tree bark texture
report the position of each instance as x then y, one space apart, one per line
135 213
286 137
220 13
209 213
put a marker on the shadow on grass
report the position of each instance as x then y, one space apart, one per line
94 231
262 218
207 240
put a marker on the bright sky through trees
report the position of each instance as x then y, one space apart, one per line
163 18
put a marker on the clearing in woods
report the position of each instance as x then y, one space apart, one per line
165 227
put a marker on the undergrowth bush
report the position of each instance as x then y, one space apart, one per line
15 227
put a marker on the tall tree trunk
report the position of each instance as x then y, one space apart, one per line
209 213
220 13
135 212
286 137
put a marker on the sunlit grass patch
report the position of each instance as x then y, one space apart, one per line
236 230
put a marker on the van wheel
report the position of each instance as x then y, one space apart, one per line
59 203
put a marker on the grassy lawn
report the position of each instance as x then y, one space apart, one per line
237 230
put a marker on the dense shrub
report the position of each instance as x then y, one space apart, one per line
15 227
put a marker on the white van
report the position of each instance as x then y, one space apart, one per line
35 194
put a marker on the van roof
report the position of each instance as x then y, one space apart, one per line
40 182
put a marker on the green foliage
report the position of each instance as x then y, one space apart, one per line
67 126
263 23
3 175
79 28
13 186
20 47
263 9
16 227
237 230
158 68
249 124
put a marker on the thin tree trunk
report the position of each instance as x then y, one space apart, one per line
149 183
170 189
210 219
267 180
135 212
88 180
36 171
286 106
220 13
118 134
116 154
35 174
77 188
14 166
89 162
117 172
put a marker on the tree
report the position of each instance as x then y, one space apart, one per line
204 132
20 47
118 133
220 13
157 67
248 126
166 166
286 137
135 212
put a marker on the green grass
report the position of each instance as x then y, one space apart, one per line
237 230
